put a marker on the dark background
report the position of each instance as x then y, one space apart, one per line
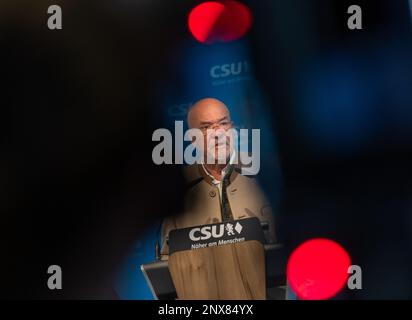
77 113
342 106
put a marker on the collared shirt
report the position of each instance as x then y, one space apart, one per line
218 183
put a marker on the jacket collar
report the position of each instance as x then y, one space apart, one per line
231 173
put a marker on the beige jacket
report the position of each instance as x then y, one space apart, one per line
202 203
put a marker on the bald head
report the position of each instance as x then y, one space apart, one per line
216 145
207 111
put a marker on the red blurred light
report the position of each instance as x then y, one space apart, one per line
318 269
219 21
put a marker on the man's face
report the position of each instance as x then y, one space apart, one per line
214 122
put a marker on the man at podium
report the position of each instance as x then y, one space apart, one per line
217 192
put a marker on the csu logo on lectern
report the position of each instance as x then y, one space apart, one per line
215 231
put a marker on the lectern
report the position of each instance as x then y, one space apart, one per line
219 261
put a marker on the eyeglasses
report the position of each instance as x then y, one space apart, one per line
224 124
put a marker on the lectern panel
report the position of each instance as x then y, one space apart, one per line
230 268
